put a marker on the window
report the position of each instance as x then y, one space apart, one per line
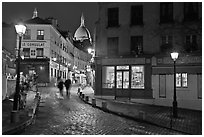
166 43
137 79
181 80
113 17
39 52
27 34
112 48
51 72
40 35
166 12
136 44
108 76
137 15
55 73
26 52
162 85
190 11
32 52
191 43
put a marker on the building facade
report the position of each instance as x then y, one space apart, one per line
133 46
49 52
8 59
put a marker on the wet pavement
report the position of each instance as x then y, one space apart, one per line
73 117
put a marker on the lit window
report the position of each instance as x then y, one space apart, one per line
40 35
108 77
122 77
137 79
181 80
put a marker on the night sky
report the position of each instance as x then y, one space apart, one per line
68 14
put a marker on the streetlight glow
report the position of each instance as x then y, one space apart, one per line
20 29
174 55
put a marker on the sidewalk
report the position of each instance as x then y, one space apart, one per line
24 119
188 121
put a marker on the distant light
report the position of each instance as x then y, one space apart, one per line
55 59
89 50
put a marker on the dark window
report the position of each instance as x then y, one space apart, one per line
112 48
51 72
55 73
166 12
26 52
136 45
40 35
191 43
113 17
27 34
39 52
137 15
190 11
166 43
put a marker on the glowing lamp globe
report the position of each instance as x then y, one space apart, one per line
174 55
20 29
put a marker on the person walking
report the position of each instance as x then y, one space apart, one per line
67 84
60 86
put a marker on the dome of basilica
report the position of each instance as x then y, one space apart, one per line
82 32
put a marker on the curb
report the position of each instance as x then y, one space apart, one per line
130 117
22 126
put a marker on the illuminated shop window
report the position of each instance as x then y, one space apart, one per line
137 79
122 77
108 77
181 80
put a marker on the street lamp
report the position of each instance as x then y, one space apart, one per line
20 29
174 56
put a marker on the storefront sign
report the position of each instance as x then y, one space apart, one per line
120 61
33 44
181 60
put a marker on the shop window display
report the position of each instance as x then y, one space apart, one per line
108 77
137 80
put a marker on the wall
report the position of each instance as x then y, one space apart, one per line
186 97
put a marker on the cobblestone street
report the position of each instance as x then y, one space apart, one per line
74 117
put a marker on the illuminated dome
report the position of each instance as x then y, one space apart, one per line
82 32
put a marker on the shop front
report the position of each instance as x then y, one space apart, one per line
38 66
126 78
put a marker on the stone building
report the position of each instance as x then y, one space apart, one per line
133 46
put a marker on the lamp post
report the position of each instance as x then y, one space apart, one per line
20 29
174 56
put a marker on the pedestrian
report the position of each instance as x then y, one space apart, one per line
67 84
60 86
